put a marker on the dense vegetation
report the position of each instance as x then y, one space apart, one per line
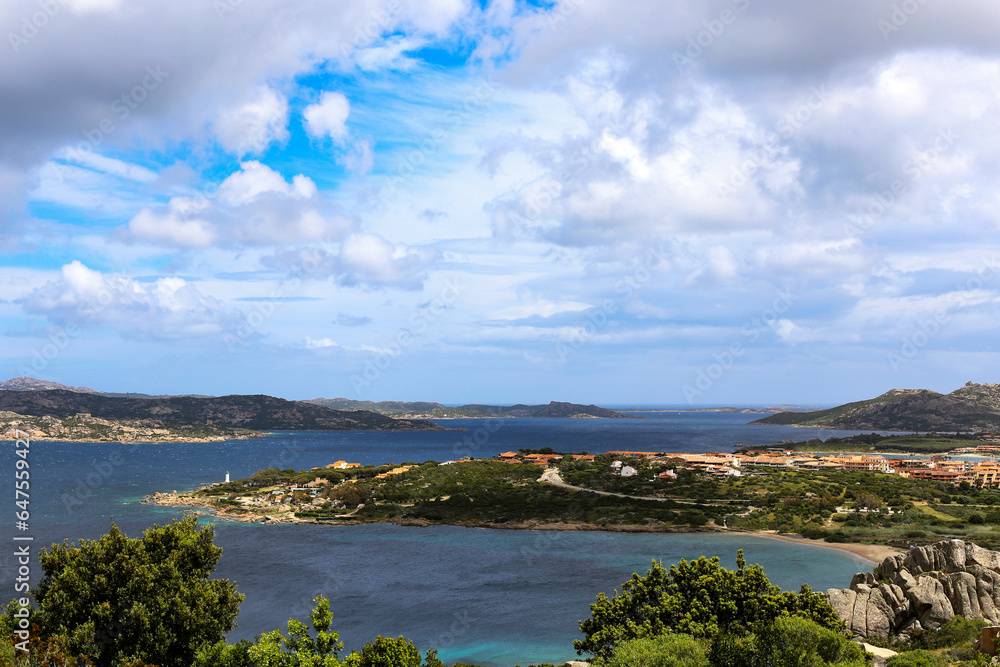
468 492
698 598
836 505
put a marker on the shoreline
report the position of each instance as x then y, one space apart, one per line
874 553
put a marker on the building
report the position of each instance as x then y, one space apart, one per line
342 465
937 475
986 475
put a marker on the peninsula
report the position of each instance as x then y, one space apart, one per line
857 499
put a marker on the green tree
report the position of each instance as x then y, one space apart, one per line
389 652
118 600
699 598
298 649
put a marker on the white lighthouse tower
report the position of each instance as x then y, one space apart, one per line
227 476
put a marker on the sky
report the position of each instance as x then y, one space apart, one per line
705 202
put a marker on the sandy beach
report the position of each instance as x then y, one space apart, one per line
876 553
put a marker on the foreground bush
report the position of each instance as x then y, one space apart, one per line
671 650
117 600
788 642
698 598
919 658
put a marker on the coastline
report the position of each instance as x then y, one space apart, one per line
874 553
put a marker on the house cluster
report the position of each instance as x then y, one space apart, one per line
937 468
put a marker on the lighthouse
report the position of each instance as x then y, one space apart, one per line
227 477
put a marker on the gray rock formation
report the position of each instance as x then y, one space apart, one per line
922 589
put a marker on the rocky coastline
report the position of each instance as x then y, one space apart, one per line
921 590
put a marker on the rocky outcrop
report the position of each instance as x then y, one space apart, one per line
922 589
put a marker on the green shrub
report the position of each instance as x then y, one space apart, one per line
956 632
669 650
920 658
799 641
787 642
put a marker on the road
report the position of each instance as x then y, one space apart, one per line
552 477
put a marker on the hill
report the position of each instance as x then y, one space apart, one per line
428 410
31 384
974 407
258 413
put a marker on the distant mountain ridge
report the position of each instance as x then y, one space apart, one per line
258 412
554 409
25 383
973 407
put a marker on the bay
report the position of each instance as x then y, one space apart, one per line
492 597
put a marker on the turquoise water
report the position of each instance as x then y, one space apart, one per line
491 597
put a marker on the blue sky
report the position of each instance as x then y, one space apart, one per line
706 202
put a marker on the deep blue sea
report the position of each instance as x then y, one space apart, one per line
492 597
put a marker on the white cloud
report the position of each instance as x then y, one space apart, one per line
320 343
255 179
107 165
253 206
389 54
255 124
169 308
360 159
91 6
540 308
368 259
328 117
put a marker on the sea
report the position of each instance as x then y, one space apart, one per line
489 597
